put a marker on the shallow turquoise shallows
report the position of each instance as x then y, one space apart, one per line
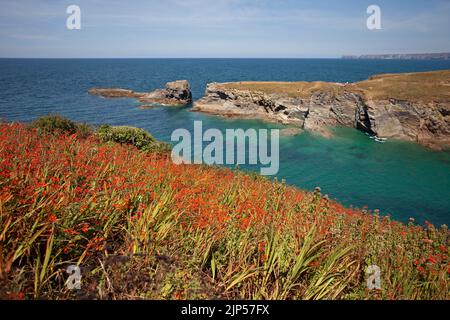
401 179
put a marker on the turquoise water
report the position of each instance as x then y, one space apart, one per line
399 178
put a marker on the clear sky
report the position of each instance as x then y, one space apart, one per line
221 28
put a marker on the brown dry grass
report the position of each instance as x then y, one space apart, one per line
299 89
423 86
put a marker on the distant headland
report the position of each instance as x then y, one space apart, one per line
402 56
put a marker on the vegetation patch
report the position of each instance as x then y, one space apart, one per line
142 227
60 124
137 137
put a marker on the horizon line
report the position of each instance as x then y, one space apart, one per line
260 57
340 57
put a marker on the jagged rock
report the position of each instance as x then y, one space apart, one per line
175 93
247 104
418 122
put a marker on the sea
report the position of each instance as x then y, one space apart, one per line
400 179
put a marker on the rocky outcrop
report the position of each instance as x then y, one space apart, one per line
175 93
314 113
251 104
424 123
316 107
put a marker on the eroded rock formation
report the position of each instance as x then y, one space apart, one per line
174 93
412 107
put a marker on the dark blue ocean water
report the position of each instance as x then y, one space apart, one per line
399 178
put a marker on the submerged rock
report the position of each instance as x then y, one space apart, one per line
288 132
146 106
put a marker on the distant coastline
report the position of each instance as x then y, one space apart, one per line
401 56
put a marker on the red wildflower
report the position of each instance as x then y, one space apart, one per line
421 269
85 227
262 246
432 259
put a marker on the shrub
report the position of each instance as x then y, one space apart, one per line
137 137
60 124
52 123
83 130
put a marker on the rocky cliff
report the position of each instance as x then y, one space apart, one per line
413 106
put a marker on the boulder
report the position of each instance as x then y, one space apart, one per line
175 93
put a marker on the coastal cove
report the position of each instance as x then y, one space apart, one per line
399 178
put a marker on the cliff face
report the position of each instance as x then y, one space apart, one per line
374 106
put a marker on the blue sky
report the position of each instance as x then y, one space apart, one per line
221 28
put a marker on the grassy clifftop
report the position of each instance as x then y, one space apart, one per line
141 227
422 86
